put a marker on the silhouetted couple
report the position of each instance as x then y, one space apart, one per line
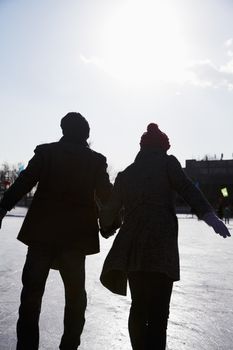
61 228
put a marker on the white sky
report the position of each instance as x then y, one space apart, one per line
122 64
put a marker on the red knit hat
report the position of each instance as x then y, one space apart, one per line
154 138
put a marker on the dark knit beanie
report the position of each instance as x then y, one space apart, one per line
154 138
75 125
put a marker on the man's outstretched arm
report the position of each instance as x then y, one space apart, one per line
2 214
26 180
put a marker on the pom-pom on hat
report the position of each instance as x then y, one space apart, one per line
75 125
154 138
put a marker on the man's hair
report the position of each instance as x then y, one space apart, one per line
74 125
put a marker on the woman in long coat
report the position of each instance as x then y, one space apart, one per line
145 251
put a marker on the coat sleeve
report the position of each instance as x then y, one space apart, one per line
103 186
26 180
183 185
111 211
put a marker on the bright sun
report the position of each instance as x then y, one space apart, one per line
143 43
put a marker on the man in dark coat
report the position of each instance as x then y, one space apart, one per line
61 226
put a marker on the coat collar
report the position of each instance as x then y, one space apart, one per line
145 154
73 141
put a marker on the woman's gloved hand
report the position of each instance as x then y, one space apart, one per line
218 225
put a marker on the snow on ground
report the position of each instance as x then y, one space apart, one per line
201 316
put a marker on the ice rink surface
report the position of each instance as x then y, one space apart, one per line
201 316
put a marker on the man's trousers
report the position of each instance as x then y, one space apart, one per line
71 265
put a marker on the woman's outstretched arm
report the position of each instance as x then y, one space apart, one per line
183 185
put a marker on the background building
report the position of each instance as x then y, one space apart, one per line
214 178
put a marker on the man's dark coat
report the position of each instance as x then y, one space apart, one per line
63 211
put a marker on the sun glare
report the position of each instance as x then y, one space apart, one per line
143 43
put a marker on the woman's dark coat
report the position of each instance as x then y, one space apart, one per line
63 211
147 240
